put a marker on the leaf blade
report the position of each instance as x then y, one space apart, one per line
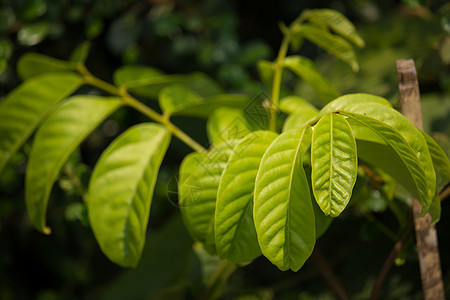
34 64
26 106
55 140
283 212
334 163
121 189
235 231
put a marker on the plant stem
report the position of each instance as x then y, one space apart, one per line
141 107
276 86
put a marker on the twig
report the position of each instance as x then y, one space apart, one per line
333 282
396 250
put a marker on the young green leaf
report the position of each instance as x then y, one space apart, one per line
81 52
298 120
440 162
230 123
198 183
334 163
236 238
148 82
265 70
334 44
306 70
34 64
121 189
283 212
26 106
343 102
333 19
405 139
179 100
293 104
55 140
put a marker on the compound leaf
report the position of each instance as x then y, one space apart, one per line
198 184
349 99
55 140
307 70
26 106
121 189
283 212
236 238
334 163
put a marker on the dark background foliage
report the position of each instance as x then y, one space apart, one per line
223 39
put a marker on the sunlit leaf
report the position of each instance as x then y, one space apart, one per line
334 163
198 184
265 70
178 100
33 64
440 162
55 140
405 139
234 228
283 212
331 43
148 82
121 190
349 99
26 106
307 70
333 19
298 120
293 104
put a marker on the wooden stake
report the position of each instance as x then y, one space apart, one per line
426 238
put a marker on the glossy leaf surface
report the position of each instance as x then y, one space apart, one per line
55 140
406 141
440 162
198 184
343 102
235 232
121 189
26 106
334 163
307 70
293 104
283 212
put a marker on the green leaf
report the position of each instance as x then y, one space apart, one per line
293 104
337 22
31 34
405 139
343 102
178 100
81 52
334 163
307 70
121 189
148 82
283 212
55 140
265 70
298 120
132 73
236 238
33 64
440 162
26 106
230 123
198 184
334 44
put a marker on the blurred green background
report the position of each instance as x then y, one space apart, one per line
224 39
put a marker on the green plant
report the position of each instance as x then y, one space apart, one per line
254 191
